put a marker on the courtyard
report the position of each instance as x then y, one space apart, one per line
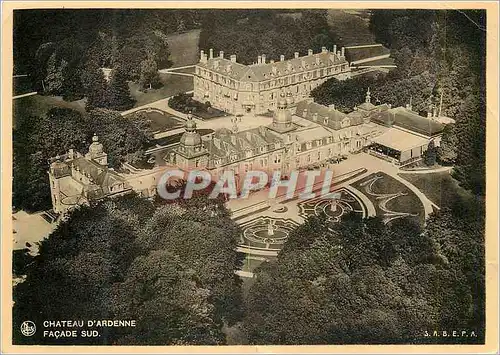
378 189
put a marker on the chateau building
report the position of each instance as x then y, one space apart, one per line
236 88
299 136
305 135
76 179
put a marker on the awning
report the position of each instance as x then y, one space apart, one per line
400 140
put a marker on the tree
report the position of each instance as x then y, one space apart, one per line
36 139
119 93
95 86
54 78
357 282
430 154
447 150
178 284
121 137
149 74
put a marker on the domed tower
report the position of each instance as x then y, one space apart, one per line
191 153
282 119
96 152
191 139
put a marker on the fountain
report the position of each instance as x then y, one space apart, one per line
270 229
333 205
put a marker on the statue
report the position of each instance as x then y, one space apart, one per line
270 229
333 205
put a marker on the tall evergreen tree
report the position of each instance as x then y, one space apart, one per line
55 77
430 154
119 93
95 86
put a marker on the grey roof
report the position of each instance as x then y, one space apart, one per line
226 143
317 113
407 119
99 174
261 72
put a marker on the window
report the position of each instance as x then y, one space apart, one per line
277 159
308 145
320 142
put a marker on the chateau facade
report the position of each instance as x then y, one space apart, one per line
237 89
300 136
76 179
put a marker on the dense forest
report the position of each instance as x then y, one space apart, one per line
170 267
440 58
56 47
250 33
363 282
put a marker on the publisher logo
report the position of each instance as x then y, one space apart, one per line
28 328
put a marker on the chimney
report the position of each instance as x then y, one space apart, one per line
282 58
263 59
211 52
338 54
296 55
317 61
434 112
334 49
233 58
259 59
332 106
309 52
323 50
429 114
202 55
272 61
342 52
221 54
233 139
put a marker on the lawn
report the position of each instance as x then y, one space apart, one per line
39 105
172 85
160 121
439 187
408 203
183 51
351 26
